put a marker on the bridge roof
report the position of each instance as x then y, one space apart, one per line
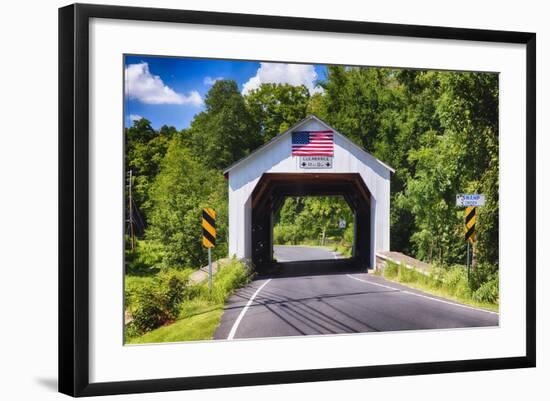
277 138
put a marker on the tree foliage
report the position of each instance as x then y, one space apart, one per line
276 107
145 149
311 218
225 131
181 190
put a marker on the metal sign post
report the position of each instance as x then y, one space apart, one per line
210 268
468 260
469 233
471 202
209 237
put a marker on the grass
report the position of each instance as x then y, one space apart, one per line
134 281
344 249
198 325
200 313
450 284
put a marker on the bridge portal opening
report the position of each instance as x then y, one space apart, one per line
308 228
270 195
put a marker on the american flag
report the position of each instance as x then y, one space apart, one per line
313 143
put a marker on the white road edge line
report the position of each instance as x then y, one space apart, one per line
241 315
423 296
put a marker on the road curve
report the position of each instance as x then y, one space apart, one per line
339 303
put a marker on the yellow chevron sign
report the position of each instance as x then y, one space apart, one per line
470 224
208 227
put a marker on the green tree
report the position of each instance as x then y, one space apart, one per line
460 156
469 111
311 218
316 105
145 149
179 193
276 107
430 196
225 132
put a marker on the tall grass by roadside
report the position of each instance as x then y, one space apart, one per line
481 290
198 313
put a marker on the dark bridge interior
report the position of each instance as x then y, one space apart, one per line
268 197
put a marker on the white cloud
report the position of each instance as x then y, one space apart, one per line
279 73
211 81
135 117
149 88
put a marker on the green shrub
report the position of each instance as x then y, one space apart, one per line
345 250
437 275
455 280
133 284
287 234
462 290
488 291
144 259
232 276
483 273
407 275
348 234
155 302
483 287
453 276
391 270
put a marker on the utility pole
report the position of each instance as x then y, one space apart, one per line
130 210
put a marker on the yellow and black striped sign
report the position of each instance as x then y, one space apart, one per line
208 227
470 224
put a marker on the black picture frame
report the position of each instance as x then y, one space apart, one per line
74 198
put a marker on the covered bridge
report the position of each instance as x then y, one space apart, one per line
295 163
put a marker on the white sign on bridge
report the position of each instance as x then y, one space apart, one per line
465 200
315 162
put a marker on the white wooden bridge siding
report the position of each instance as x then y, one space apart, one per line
276 158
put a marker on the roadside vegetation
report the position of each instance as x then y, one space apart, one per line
451 282
166 306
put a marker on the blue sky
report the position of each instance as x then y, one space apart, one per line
171 91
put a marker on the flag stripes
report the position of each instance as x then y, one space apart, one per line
470 224
313 143
208 227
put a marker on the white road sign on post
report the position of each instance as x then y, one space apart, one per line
342 223
465 200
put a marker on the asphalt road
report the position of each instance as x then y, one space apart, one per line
284 253
339 303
